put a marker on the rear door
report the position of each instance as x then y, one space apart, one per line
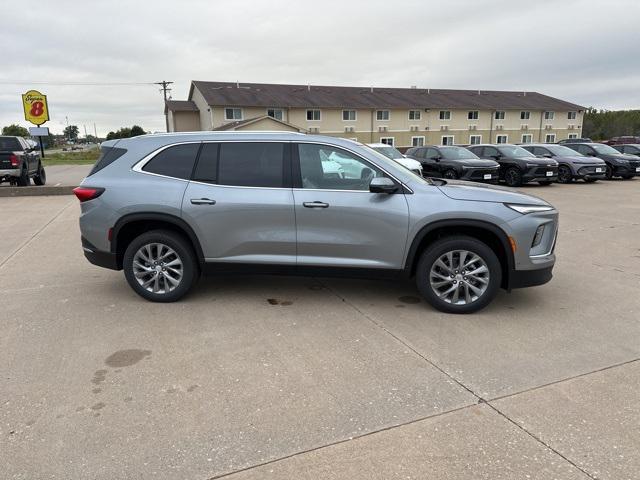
240 204
339 222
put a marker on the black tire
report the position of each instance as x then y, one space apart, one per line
41 176
23 180
545 183
627 177
564 174
439 248
450 174
513 177
184 252
608 172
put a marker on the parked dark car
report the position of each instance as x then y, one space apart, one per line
517 165
618 164
571 164
629 149
19 162
575 140
454 162
625 140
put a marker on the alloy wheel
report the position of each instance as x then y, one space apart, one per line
157 268
459 277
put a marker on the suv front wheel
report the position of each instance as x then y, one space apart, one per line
160 266
458 274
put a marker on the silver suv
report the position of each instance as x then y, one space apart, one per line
166 208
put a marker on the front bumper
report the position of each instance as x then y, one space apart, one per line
541 174
623 170
480 174
591 172
530 278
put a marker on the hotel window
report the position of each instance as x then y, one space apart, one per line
549 115
348 115
415 114
572 115
445 115
499 115
475 139
387 140
382 114
447 140
473 115
313 115
550 138
525 115
275 113
233 114
417 141
527 138
573 135
501 139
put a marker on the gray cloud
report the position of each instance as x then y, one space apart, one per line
580 50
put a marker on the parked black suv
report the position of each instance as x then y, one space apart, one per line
618 164
454 162
517 166
629 149
19 162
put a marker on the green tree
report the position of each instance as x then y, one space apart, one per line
136 130
15 130
126 132
605 124
71 132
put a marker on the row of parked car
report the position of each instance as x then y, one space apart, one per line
516 165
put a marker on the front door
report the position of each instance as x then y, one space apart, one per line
240 204
339 223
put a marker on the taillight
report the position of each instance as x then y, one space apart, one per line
87 193
15 161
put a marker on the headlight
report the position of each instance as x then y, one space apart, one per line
534 165
524 209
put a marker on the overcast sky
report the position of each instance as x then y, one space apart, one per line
583 51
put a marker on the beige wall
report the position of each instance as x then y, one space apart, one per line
268 125
184 121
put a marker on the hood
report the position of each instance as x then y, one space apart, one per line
578 159
536 160
476 162
410 163
482 192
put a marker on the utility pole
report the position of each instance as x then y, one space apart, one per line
164 84
95 132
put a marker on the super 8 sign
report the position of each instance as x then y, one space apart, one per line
35 107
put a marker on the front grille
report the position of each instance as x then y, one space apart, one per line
591 170
478 174
542 171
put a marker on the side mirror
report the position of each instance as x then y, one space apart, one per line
497 157
382 185
547 155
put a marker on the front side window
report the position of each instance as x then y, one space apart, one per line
473 115
447 140
330 168
233 114
550 138
276 113
525 115
501 139
549 115
475 139
382 115
415 114
456 153
499 115
313 115
176 161
445 115
248 164
348 115
417 141
527 138
572 115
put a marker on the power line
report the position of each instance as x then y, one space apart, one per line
102 84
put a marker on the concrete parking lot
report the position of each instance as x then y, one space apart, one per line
266 377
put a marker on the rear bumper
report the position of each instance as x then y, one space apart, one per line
530 278
97 257
11 172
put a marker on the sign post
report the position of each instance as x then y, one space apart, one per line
36 111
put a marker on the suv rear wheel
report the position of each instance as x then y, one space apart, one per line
160 266
458 274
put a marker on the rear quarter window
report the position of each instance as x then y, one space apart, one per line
108 155
176 161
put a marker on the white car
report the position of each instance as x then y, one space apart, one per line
395 155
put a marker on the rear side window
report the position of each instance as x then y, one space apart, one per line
251 165
108 155
176 161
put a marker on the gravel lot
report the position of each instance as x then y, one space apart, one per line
269 377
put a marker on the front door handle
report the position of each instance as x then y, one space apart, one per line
202 201
315 205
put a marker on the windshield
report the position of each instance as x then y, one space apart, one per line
389 152
562 151
515 151
456 153
606 149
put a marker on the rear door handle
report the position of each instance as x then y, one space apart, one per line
202 201
315 205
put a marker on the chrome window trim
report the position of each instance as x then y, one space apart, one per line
138 166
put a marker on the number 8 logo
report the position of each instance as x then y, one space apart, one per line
37 109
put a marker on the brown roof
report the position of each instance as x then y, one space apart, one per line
301 96
180 106
248 121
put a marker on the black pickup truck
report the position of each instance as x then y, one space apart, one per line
20 162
